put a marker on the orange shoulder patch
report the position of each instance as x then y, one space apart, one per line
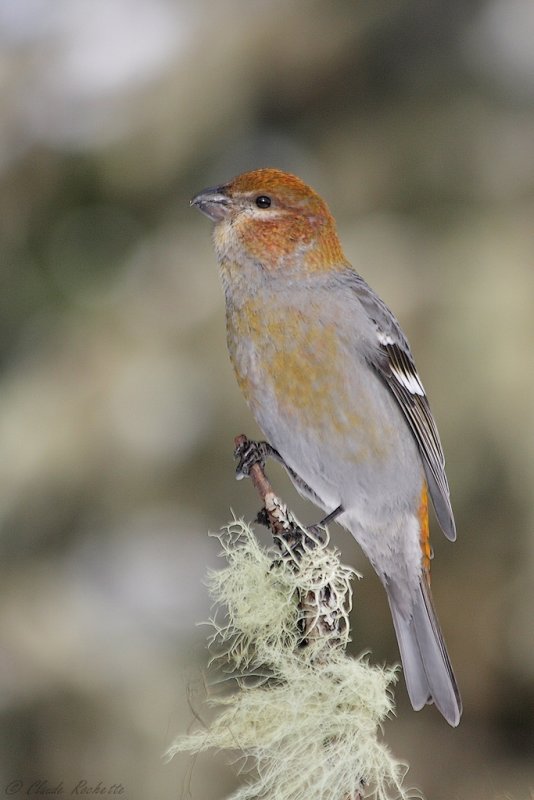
425 531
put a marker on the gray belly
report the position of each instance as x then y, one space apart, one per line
360 454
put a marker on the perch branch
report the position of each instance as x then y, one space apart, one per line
320 612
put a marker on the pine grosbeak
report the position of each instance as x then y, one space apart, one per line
329 376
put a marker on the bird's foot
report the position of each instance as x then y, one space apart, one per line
251 453
316 535
318 532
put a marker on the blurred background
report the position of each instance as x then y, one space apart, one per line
118 408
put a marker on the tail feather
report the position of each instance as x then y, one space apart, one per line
427 667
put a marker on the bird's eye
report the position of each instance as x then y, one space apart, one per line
263 201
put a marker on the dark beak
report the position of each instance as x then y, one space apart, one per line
214 203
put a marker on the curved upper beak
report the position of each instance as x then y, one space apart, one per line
213 202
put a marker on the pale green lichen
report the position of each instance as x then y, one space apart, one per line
313 728
256 598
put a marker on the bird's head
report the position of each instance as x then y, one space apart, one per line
274 219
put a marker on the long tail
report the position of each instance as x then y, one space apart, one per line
427 667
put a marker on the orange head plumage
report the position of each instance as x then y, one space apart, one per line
272 218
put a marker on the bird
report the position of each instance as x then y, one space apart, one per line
329 377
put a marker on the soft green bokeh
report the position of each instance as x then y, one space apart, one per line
117 403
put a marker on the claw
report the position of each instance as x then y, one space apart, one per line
318 535
247 455
318 532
